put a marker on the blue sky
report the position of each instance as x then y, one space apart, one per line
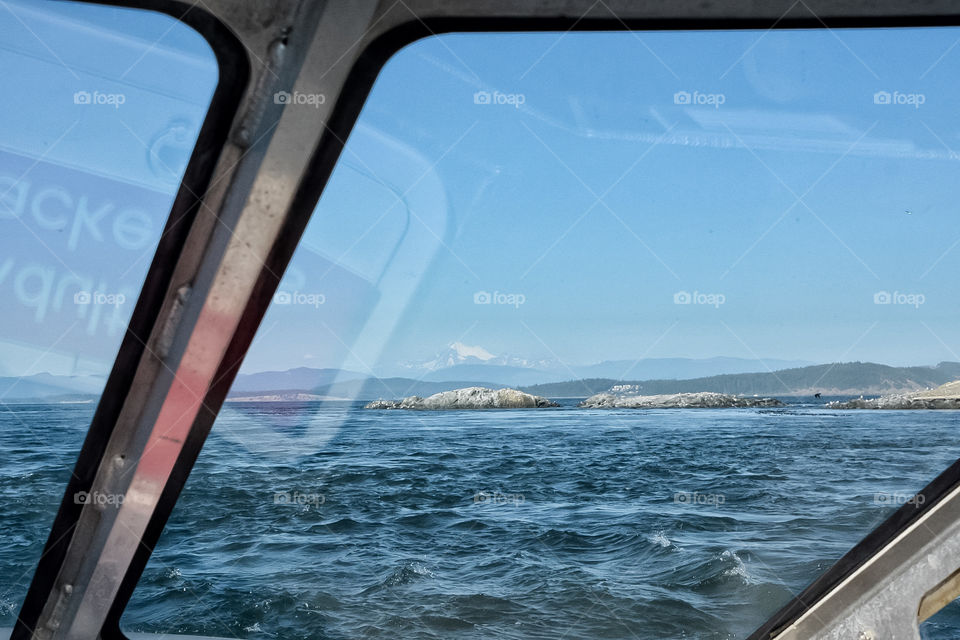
586 182
797 199
86 187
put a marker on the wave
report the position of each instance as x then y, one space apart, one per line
406 573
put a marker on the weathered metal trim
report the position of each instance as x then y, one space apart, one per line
939 597
233 67
881 598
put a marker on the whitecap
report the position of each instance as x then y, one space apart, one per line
739 568
660 538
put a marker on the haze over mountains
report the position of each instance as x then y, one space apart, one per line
839 379
462 365
45 386
464 362
299 378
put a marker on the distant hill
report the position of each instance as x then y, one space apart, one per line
50 388
680 368
367 389
463 363
299 378
849 378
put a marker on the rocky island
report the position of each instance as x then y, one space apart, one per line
701 400
946 396
468 398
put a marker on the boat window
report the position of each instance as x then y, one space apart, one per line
100 109
601 222
943 623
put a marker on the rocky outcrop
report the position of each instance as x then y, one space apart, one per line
283 397
701 400
943 397
469 398
896 401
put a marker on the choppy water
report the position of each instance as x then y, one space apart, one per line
561 523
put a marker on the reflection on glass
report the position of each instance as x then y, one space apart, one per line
100 111
604 221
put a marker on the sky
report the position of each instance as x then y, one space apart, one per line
784 198
575 197
101 109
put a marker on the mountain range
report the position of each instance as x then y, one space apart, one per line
46 386
460 361
299 378
472 368
838 379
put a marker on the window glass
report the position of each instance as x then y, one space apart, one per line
755 214
942 624
100 112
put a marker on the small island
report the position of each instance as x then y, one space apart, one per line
946 396
701 400
468 398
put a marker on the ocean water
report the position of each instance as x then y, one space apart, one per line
560 523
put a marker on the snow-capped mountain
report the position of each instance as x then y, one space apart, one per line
458 353
461 361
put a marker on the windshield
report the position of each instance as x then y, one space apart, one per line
590 335
600 223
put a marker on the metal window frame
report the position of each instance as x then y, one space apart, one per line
254 40
234 71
